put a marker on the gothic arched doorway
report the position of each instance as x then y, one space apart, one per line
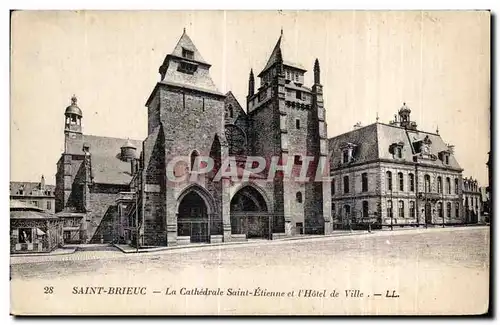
249 214
192 219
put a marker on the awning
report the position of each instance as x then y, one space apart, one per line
39 232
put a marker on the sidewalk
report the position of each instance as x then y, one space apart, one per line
127 249
57 251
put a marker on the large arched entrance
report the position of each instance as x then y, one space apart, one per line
193 218
249 214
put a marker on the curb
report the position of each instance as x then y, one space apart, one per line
70 251
166 248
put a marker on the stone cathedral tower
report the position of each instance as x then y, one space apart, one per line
287 119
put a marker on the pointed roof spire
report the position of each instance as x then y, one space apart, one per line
316 72
377 118
184 30
437 129
281 31
251 84
273 58
186 44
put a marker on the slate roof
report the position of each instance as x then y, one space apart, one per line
186 42
110 170
200 80
373 142
21 210
29 188
107 168
238 111
274 57
19 205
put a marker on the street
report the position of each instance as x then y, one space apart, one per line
434 271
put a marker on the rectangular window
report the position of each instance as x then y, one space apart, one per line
440 210
346 184
448 210
447 160
297 160
456 185
25 236
401 181
49 205
365 209
389 180
412 209
297 124
389 209
187 67
399 152
427 180
333 186
35 203
364 182
412 182
298 94
448 185
345 157
401 208
187 54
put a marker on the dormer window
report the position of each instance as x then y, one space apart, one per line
399 152
345 156
396 149
348 152
444 156
187 67
188 54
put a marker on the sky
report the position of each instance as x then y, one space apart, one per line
437 62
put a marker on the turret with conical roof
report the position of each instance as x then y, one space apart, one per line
73 118
128 151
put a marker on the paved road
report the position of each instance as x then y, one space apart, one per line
435 270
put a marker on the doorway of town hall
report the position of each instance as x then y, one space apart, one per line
250 215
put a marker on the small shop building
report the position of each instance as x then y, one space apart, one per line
33 229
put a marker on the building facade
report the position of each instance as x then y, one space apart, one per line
33 229
91 173
188 117
472 201
109 189
392 175
36 194
161 191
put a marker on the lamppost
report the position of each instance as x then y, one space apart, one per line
442 203
392 207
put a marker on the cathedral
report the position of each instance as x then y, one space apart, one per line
118 190
150 192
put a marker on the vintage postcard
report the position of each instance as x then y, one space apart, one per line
250 162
